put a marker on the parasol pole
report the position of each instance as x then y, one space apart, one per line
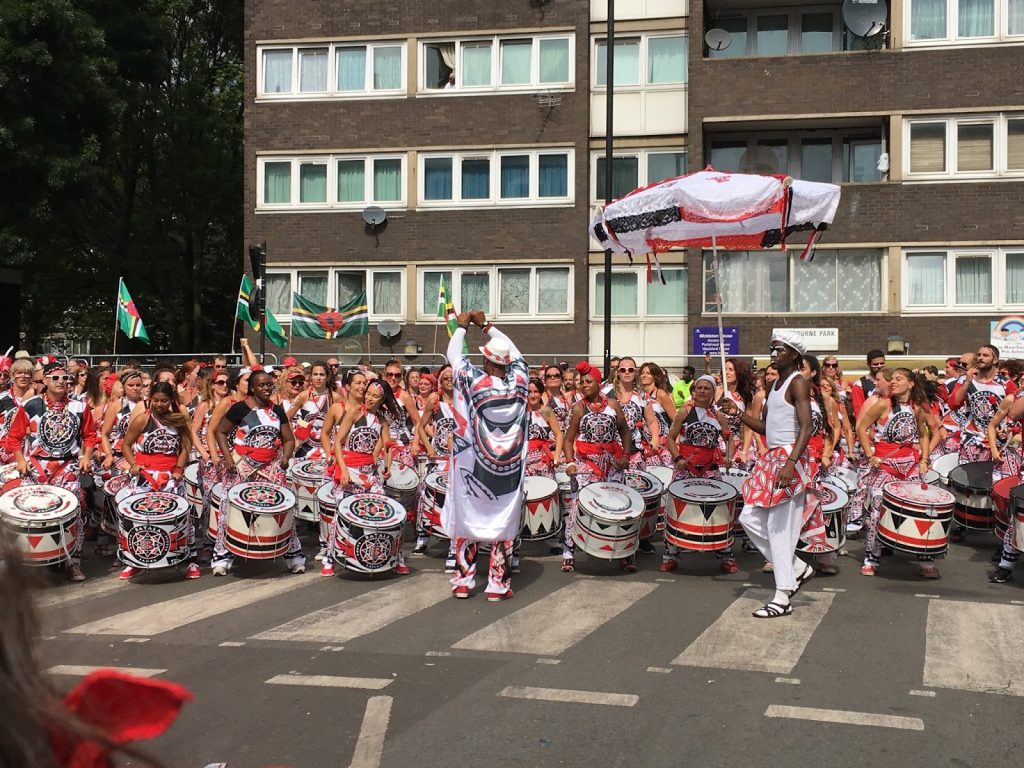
609 122
718 305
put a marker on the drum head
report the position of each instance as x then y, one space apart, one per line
833 496
918 494
262 498
402 478
931 477
325 496
664 474
611 501
946 464
976 476
217 493
644 483
116 484
735 477
438 481
8 472
33 502
310 470
192 473
153 507
539 488
370 510
703 491
562 479
1003 488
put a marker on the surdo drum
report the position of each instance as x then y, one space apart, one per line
701 514
943 465
542 517
915 517
401 486
153 529
111 488
971 485
651 490
608 520
847 477
216 498
369 533
664 474
564 488
44 521
834 500
259 521
193 492
326 509
434 493
1001 492
736 477
307 476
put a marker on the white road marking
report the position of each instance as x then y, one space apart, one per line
929 597
750 584
845 717
570 696
662 670
558 621
739 641
331 681
365 613
787 680
929 694
974 647
73 593
666 581
181 611
232 644
548 661
832 589
371 734
75 670
1017 602
136 640
438 653
333 648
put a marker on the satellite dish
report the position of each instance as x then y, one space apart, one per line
718 39
389 330
374 216
865 18
351 351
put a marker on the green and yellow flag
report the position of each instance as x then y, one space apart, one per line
275 333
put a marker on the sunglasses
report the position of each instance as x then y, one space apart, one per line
830 365
392 375
552 375
221 382
627 370
777 348
65 377
296 382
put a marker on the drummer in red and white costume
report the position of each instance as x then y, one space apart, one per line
436 430
1000 431
263 444
774 494
739 387
21 381
654 383
545 432
8 410
1011 549
638 413
695 439
156 447
980 390
353 392
401 421
819 459
52 439
308 409
556 397
896 435
597 448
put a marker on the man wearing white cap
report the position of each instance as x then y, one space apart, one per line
774 494
485 480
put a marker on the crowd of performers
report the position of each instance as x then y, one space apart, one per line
793 425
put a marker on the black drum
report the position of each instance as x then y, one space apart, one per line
971 485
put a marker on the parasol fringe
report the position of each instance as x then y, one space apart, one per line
808 252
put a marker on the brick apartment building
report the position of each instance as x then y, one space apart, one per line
479 127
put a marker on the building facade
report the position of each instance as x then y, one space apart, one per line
479 128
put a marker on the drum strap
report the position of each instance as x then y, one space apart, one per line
698 457
898 459
36 462
596 455
155 468
544 446
258 455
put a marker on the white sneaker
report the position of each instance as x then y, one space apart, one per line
321 554
298 568
220 570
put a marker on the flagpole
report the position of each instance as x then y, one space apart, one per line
234 325
117 303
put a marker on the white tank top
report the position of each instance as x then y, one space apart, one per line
781 427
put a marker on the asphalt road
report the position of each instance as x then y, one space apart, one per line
594 668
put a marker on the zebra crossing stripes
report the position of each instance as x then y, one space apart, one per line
737 641
974 647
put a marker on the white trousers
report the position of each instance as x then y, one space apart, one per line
775 531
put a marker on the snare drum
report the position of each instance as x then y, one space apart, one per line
542 516
434 494
931 477
216 497
153 529
916 517
608 520
971 485
8 472
193 492
307 475
260 520
943 465
369 532
564 489
834 500
44 521
326 509
650 489
701 514
1001 504
736 477
111 488
664 474
847 477
401 486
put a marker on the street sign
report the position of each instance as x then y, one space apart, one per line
705 340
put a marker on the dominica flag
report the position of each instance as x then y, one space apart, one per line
446 309
312 321
128 316
275 333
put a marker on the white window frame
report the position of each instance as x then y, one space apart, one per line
332 182
332 286
455 290
495 85
644 39
494 200
793 28
642 161
642 315
999 302
1001 122
794 265
332 93
952 38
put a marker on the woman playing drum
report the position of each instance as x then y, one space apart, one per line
308 409
896 436
435 430
695 440
819 459
597 448
263 446
156 446
556 398
402 420
739 387
657 393
646 439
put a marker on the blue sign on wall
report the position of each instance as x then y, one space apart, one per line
705 340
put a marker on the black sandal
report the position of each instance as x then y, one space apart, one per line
772 610
807 575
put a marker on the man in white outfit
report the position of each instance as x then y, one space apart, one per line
774 494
